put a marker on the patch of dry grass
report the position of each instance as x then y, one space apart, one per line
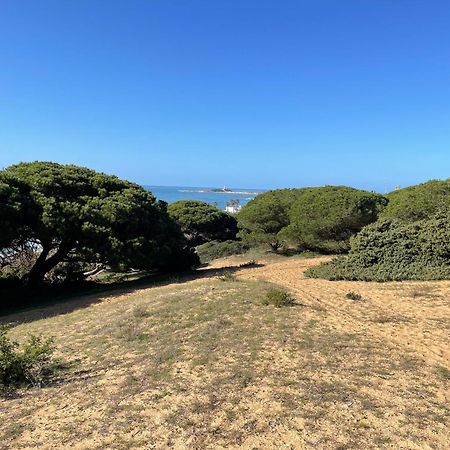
204 365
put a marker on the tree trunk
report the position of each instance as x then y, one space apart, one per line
44 264
95 271
275 246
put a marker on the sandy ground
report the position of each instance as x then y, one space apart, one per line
217 370
414 308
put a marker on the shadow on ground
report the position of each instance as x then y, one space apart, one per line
23 305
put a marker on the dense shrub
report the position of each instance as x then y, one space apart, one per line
201 222
213 250
317 219
394 250
323 219
261 219
16 209
278 298
418 202
29 364
66 213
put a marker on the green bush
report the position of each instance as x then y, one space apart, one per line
67 213
324 219
201 222
390 250
278 298
228 276
318 219
418 202
261 219
29 364
213 250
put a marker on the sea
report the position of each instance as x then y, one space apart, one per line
171 194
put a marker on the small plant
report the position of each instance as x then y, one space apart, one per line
443 373
352 295
29 364
228 276
384 318
140 311
279 298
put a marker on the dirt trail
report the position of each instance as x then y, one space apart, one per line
413 315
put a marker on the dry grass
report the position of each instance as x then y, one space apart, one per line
204 365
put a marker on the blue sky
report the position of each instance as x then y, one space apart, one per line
253 93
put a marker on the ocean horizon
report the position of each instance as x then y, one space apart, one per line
172 194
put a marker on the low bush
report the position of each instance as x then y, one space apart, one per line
353 296
262 218
324 219
443 373
319 219
29 364
418 202
278 298
228 276
392 250
213 250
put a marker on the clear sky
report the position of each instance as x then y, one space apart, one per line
247 93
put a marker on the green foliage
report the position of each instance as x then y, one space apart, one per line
16 208
323 219
393 250
213 250
228 276
443 373
418 202
278 298
29 364
77 214
261 219
201 222
317 219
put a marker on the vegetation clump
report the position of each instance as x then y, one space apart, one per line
213 250
261 219
29 364
201 222
311 219
53 214
352 295
391 250
279 298
324 219
443 373
418 202
228 276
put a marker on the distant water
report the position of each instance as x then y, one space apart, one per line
173 193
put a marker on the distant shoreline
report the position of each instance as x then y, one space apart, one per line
219 191
211 195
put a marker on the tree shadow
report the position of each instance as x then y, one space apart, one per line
23 305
